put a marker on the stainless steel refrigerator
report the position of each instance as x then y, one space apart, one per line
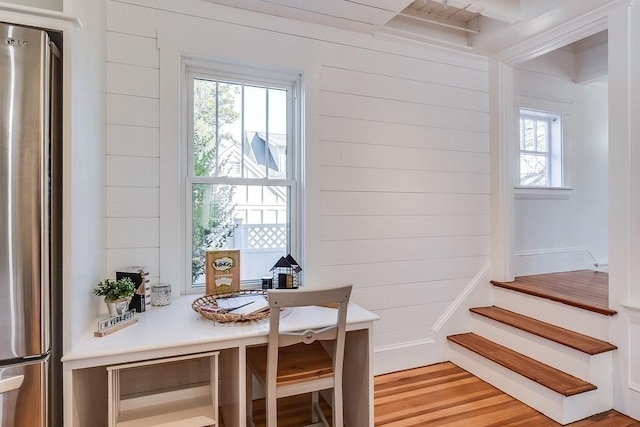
30 224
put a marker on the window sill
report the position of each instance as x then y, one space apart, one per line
542 193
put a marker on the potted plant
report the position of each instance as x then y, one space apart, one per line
117 294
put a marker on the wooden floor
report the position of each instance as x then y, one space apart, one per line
439 395
446 395
585 289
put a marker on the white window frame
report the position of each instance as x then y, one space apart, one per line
554 154
252 76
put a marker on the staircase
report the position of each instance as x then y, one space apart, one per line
552 355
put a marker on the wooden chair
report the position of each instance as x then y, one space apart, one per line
297 362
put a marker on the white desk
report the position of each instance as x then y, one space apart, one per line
176 330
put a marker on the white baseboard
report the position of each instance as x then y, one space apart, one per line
407 355
455 319
541 261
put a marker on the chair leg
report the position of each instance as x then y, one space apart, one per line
271 406
249 396
314 404
337 406
320 419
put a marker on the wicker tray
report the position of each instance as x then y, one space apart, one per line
208 304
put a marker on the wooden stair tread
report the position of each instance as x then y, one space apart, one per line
575 340
584 289
545 375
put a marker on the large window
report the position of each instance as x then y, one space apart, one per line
540 149
242 180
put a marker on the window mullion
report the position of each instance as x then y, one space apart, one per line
535 136
190 130
217 142
267 152
243 132
549 153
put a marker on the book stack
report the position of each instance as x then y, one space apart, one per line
139 275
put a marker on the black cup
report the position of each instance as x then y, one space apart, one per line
267 282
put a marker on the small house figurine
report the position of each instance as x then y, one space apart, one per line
286 273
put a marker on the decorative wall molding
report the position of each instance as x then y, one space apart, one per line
477 279
634 350
571 31
539 261
400 346
406 355
532 252
631 306
41 13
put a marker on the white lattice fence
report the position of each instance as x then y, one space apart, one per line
265 236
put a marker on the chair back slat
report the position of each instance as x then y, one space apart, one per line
303 297
307 336
287 298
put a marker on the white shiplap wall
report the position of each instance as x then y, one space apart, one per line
132 152
396 157
404 176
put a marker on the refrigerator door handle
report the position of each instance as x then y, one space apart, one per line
10 384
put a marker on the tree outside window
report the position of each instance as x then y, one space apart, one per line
540 149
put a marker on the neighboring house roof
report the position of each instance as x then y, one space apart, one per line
262 152
256 158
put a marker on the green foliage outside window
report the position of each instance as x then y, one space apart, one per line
213 108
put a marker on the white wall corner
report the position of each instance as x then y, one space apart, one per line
502 130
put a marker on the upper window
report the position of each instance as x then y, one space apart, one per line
242 180
540 149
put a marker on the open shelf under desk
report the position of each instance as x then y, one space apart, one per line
191 404
198 412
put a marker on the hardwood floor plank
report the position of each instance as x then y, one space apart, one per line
420 417
499 415
431 408
413 393
418 384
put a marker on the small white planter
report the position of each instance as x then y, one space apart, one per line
117 307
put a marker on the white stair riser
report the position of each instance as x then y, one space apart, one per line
561 409
595 369
583 321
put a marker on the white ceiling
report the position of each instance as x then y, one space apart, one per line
365 16
479 26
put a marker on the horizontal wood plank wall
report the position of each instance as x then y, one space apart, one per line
400 182
132 148
404 176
